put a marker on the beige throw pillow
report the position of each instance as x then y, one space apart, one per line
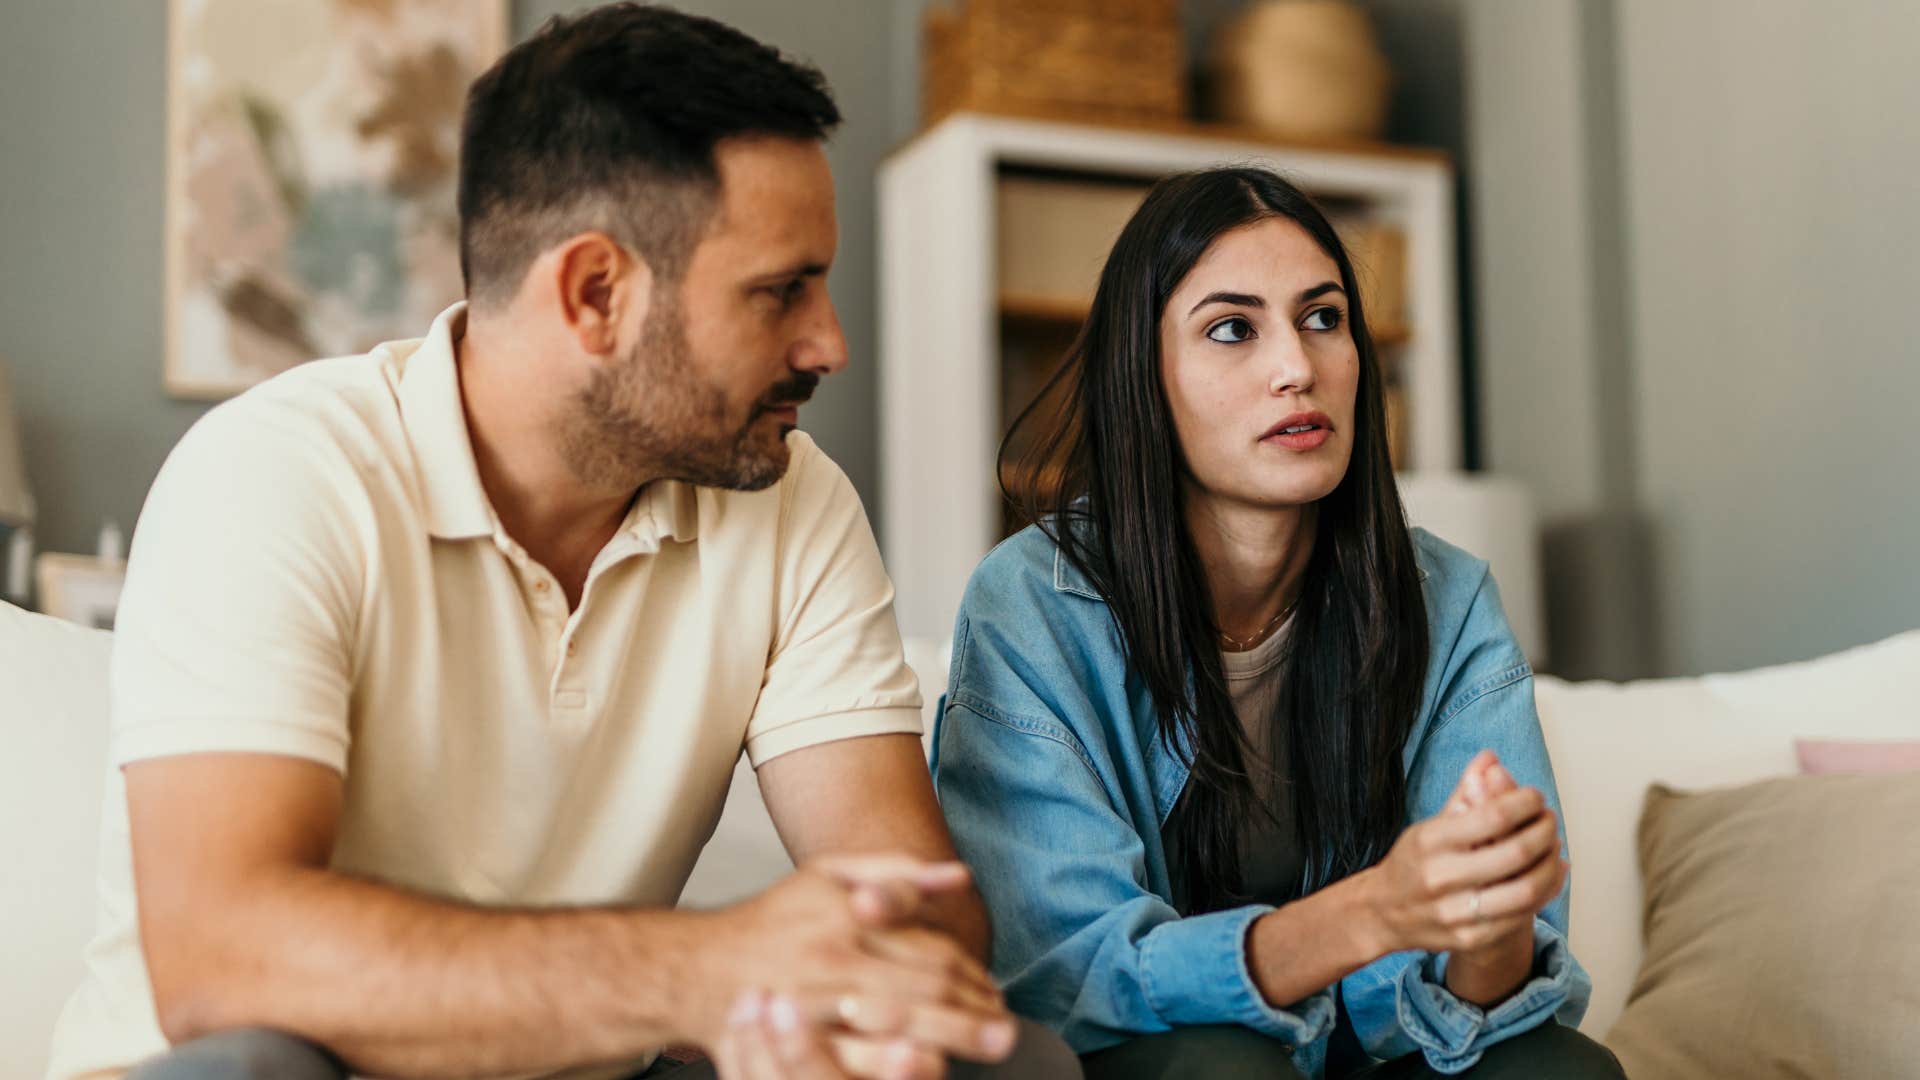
1782 932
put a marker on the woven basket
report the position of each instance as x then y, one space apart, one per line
1072 59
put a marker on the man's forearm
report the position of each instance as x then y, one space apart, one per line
401 985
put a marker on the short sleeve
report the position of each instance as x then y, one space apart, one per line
234 629
837 669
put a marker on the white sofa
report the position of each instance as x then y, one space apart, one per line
1609 742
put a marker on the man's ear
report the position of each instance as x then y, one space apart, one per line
600 287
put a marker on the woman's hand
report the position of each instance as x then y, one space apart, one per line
1472 877
1490 973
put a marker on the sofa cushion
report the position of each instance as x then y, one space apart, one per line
1780 934
53 682
1610 741
745 855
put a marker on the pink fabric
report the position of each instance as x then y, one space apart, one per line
1819 757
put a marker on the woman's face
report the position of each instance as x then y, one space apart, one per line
1260 369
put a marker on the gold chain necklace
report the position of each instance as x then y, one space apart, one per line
1243 644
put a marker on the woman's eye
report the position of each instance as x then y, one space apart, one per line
1325 318
1231 331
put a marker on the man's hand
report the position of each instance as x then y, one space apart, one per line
894 890
837 940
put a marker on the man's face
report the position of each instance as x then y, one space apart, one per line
713 384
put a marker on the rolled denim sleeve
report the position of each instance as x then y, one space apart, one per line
1452 1033
1080 943
1400 1004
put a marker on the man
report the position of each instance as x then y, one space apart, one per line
434 663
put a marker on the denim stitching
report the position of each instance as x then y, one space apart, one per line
1060 581
1025 725
1472 694
1146 977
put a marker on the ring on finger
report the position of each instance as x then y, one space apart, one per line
847 1008
1473 906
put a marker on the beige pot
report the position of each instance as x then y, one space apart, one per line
1304 69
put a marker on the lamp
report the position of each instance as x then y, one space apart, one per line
16 499
1492 518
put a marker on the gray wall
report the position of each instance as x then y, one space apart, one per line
1772 188
82 154
1698 227
82 147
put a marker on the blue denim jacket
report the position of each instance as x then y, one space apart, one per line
1056 782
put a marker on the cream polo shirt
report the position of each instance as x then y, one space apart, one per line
318 573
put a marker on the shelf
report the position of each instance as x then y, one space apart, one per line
1199 129
1051 310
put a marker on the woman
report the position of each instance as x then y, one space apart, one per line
1248 772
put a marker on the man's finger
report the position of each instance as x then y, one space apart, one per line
745 1053
797 1045
954 1032
885 903
873 1058
932 951
929 877
890 890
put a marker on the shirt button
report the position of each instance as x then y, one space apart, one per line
540 586
571 648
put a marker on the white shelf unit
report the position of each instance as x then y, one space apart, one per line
941 324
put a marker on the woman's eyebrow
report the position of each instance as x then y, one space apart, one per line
1320 290
1242 299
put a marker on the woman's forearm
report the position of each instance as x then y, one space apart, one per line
1300 949
1488 976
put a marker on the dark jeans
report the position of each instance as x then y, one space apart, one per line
1549 1052
259 1054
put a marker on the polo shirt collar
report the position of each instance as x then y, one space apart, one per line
436 423
666 509
457 505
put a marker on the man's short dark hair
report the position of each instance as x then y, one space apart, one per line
607 120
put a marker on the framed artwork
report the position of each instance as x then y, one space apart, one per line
81 588
312 159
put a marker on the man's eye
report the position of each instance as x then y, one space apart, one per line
1231 330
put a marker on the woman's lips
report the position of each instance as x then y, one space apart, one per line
1301 441
1301 431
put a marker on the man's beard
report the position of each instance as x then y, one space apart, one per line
650 414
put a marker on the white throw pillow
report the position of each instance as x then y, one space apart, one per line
1611 741
53 722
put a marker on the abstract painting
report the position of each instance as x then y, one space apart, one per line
312 161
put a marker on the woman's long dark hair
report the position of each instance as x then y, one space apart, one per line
1095 461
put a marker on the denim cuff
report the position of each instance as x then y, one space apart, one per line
1452 1033
1195 972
